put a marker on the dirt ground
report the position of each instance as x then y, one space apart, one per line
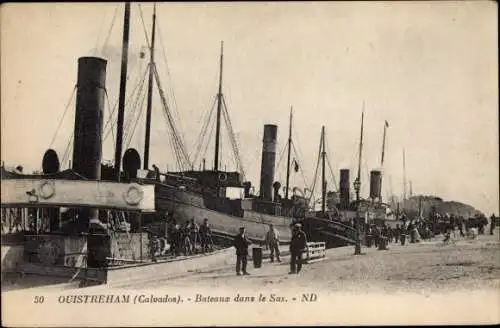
422 267
424 283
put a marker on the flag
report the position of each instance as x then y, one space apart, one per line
386 124
295 166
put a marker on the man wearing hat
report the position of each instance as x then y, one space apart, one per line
297 246
241 243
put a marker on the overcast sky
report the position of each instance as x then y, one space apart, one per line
429 69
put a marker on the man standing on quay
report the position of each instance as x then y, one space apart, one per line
297 246
272 241
241 243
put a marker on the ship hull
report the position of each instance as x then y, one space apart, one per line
186 205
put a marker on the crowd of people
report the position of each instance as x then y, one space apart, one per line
415 230
181 239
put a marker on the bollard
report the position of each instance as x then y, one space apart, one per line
257 257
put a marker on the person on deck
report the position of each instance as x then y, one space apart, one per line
273 242
241 243
97 232
157 172
297 246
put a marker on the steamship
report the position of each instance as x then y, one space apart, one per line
187 194
337 221
184 195
202 194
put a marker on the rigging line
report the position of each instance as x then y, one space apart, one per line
144 27
106 41
282 153
295 137
133 109
211 133
282 172
203 118
233 139
201 136
171 85
231 133
234 157
173 149
298 155
329 163
333 175
175 132
62 118
177 140
140 93
99 34
177 149
68 146
212 129
141 109
136 110
301 171
109 121
204 139
206 125
316 172
110 117
129 97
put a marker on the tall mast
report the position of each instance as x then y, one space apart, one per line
289 151
420 212
150 92
404 175
383 145
323 182
386 125
219 107
360 150
123 85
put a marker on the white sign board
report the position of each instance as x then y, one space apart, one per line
77 193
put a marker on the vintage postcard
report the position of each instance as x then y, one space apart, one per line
249 163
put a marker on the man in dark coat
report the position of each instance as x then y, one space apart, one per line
205 236
96 244
241 243
493 223
297 246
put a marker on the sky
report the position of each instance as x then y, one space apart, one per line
428 68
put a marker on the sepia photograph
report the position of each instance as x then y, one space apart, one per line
249 163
